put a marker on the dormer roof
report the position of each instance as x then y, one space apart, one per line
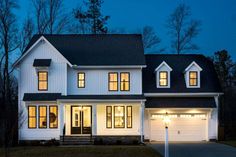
163 64
191 65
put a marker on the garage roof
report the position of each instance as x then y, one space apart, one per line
180 102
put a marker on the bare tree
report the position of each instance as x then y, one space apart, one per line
9 40
183 29
26 33
50 16
150 38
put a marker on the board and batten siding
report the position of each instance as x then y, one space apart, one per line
96 82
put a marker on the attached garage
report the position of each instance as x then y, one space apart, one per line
192 118
183 127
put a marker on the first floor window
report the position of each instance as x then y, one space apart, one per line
81 80
163 78
113 81
53 117
32 117
42 116
109 116
119 117
124 81
193 78
42 80
129 116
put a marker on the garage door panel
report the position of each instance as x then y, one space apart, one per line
180 129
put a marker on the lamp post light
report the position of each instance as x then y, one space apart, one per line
166 121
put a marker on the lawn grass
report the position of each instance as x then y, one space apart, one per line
83 151
231 143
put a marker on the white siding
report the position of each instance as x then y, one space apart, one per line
96 82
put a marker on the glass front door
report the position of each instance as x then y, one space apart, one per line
81 119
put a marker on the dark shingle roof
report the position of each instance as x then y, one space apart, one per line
55 96
41 96
99 49
42 62
180 102
209 79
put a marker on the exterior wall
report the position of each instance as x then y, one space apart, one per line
96 82
26 133
101 121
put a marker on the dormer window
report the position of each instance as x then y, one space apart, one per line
163 75
163 81
193 78
192 75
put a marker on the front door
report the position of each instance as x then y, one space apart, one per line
81 119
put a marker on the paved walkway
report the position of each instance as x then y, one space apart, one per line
196 149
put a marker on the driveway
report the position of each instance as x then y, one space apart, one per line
196 149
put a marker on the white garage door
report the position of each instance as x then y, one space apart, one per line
183 127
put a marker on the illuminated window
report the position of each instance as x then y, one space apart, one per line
42 80
129 116
193 80
113 81
119 117
124 81
32 117
42 116
81 80
53 117
109 116
163 78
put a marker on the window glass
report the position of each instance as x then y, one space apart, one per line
193 78
163 78
53 117
81 80
129 117
109 116
119 117
32 116
113 81
42 80
124 81
42 116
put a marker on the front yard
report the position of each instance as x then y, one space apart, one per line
83 151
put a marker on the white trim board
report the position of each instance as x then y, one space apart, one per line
181 94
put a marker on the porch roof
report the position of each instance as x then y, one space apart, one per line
180 102
56 96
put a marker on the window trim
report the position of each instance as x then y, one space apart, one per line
35 107
115 116
49 116
107 117
128 116
113 81
125 81
167 82
40 116
80 80
43 80
193 78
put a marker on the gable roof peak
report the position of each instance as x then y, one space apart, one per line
193 64
163 64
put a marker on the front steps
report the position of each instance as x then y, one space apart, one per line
76 140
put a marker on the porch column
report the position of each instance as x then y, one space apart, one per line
141 120
61 115
94 119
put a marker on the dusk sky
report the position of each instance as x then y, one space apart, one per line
218 17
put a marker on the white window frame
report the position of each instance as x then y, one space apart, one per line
196 68
163 67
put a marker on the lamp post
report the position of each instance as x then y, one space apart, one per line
166 121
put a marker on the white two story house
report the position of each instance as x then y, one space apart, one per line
105 87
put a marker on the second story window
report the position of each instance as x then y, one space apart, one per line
113 81
42 80
163 78
193 78
124 81
81 80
